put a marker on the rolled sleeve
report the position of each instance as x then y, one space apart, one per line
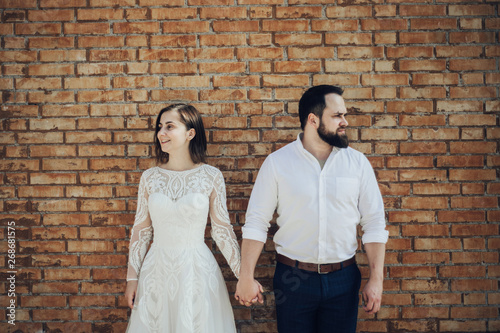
371 208
262 203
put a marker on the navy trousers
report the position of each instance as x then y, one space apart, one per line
309 302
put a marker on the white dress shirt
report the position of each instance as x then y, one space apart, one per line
318 209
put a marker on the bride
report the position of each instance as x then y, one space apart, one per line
177 285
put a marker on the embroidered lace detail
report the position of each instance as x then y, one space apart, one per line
180 286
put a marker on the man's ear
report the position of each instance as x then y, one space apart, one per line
313 120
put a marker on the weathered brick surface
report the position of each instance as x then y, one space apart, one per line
82 80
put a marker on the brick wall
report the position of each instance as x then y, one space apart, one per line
82 81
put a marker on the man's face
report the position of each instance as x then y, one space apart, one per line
333 123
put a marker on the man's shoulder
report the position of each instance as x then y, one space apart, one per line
284 151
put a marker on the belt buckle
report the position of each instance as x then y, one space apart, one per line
319 270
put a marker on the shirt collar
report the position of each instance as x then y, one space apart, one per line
303 150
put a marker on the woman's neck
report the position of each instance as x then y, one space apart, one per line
179 162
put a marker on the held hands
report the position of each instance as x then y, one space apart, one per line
248 292
372 295
130 292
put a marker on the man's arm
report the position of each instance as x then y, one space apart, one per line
248 290
372 292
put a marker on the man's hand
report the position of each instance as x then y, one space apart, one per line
372 295
130 292
249 291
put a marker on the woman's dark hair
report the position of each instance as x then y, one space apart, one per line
192 119
313 101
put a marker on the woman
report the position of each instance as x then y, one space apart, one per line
178 286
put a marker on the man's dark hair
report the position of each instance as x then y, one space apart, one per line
192 119
313 101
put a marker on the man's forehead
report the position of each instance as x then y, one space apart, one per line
335 103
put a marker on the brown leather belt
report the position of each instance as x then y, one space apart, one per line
319 268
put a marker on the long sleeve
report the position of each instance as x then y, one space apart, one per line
222 230
142 233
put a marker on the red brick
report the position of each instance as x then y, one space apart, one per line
409 162
461 216
472 147
474 202
112 55
382 134
437 299
51 15
425 312
337 79
472 37
298 39
422 65
107 14
410 106
474 230
62 3
419 10
422 37
421 272
460 161
432 120
334 25
298 12
361 53
435 79
87 83
424 285
384 79
463 326
383 24
446 51
188 27
348 11
51 42
38 28
218 13
409 52
433 24
101 41
473 285
136 27
436 189
472 174
426 258
51 314
435 134
456 106
467 65
471 10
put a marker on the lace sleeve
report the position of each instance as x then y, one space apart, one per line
142 232
222 230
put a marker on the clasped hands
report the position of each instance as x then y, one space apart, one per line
249 291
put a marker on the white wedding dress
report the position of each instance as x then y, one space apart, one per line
181 288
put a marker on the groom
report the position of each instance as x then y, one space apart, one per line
322 190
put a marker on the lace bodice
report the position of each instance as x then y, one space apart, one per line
175 204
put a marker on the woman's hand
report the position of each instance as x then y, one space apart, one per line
130 292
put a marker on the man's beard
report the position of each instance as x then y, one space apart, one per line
333 139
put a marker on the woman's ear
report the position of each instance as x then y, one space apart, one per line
191 134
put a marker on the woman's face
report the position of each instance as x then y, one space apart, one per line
173 134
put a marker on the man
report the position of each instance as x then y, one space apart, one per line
322 190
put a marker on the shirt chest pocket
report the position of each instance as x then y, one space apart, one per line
343 189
